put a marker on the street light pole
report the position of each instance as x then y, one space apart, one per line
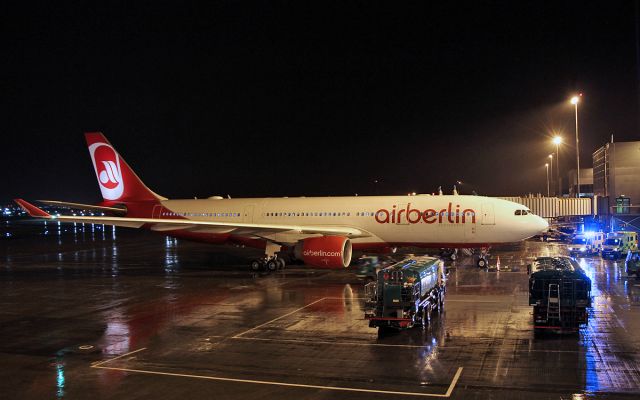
575 100
546 165
557 140
551 167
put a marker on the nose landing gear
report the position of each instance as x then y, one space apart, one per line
483 258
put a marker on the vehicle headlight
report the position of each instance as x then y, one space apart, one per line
583 248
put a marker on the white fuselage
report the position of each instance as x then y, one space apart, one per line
423 220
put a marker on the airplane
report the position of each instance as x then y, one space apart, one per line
320 231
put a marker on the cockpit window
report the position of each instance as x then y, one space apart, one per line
522 212
518 212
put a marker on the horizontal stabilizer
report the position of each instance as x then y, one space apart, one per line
31 209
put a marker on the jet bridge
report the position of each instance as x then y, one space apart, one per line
555 207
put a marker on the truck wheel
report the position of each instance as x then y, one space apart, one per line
425 318
281 263
482 263
255 265
453 256
272 265
418 317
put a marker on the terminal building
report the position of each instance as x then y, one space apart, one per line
616 183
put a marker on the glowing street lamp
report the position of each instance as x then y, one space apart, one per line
546 165
575 100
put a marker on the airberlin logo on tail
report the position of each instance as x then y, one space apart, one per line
107 166
109 176
410 215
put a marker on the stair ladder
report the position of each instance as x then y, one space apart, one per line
553 302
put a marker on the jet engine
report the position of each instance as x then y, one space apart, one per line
330 252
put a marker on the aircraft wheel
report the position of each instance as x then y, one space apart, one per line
482 263
255 265
272 265
281 263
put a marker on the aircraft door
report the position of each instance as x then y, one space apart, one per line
247 214
157 210
488 217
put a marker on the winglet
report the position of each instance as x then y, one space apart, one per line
31 209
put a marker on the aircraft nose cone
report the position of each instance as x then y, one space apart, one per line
543 224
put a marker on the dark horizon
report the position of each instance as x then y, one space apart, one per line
290 99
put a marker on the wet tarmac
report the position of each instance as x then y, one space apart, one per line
93 313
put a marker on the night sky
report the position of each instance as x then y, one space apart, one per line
310 98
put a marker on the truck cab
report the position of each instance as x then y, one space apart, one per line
367 267
618 244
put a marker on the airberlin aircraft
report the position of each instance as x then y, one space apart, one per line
321 231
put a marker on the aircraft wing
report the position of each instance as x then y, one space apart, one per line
163 225
79 206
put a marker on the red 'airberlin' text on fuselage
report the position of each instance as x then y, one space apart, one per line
429 216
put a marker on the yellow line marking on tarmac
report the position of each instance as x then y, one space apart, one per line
95 365
280 317
296 385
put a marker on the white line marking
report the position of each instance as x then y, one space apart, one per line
115 358
275 319
298 385
342 343
454 382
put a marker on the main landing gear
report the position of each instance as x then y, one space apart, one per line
483 259
271 262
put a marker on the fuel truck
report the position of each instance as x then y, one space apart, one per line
406 294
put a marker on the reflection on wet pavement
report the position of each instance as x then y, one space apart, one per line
171 319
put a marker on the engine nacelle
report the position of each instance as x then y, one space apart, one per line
330 252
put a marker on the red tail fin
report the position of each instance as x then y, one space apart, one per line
117 181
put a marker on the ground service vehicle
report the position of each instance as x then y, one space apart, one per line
367 267
406 294
586 243
560 293
632 263
619 243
